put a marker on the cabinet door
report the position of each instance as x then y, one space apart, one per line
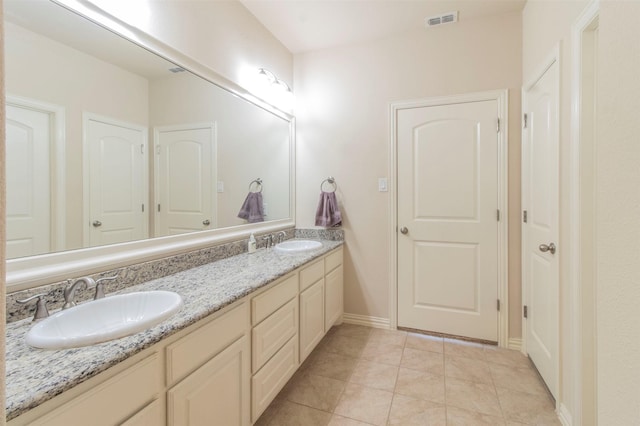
215 394
333 300
311 318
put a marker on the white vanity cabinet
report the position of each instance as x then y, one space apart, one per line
223 370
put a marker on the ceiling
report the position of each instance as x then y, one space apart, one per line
304 25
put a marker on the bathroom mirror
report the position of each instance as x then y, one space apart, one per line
248 139
109 142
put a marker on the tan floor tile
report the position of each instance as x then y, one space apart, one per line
459 417
328 364
425 343
497 355
350 330
270 413
478 397
431 362
520 379
382 353
467 369
343 345
365 404
388 337
527 408
318 392
421 385
291 414
337 420
375 375
406 411
462 348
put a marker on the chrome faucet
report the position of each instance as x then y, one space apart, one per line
281 236
269 240
100 286
70 291
41 305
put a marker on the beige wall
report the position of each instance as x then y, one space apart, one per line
221 34
618 214
343 96
44 70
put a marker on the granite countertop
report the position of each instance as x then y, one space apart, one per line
34 376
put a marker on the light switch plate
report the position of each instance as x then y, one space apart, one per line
220 186
382 185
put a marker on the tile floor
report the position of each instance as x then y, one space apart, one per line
359 376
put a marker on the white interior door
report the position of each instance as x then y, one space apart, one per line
116 181
540 201
447 204
28 141
185 171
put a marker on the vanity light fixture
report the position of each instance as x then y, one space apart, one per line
271 78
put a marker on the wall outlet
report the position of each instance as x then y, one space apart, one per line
382 185
220 186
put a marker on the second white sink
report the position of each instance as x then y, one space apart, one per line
298 246
104 319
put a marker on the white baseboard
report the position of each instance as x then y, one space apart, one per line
366 320
564 415
515 343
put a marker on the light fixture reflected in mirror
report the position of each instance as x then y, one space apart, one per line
275 90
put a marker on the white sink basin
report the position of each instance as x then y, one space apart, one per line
104 319
297 246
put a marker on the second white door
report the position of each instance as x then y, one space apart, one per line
185 171
447 219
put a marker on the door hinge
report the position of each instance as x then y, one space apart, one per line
498 215
158 149
498 126
141 149
498 304
525 311
143 208
525 120
524 216
158 207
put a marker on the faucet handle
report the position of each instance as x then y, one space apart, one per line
100 286
41 305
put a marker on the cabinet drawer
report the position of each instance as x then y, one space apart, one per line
123 394
151 415
333 260
268 302
193 350
266 384
269 336
311 274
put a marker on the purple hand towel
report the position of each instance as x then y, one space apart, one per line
328 213
251 209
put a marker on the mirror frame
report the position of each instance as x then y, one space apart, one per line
32 271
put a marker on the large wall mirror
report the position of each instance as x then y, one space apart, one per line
109 143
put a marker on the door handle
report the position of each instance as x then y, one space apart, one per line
547 248
404 230
206 222
96 223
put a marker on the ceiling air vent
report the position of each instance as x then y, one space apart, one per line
177 70
445 18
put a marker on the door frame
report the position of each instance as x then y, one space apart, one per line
582 95
214 168
57 162
502 97
552 58
86 117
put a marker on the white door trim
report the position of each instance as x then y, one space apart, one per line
552 58
502 97
58 164
574 305
86 117
214 166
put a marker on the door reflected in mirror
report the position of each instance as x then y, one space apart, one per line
108 142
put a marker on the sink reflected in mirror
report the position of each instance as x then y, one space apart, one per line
297 246
105 319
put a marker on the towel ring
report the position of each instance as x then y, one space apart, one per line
331 181
258 183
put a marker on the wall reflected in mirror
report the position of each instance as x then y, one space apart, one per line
109 143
